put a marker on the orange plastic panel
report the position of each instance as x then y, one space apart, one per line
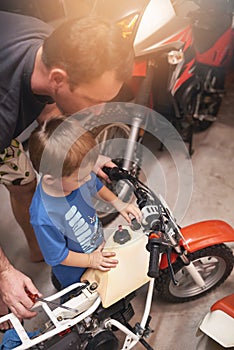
226 305
206 233
139 68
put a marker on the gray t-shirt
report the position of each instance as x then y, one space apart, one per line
20 38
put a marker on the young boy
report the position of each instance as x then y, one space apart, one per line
62 214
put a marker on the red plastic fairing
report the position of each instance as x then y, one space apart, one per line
139 69
219 54
226 305
206 233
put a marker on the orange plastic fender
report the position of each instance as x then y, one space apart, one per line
201 235
226 305
206 233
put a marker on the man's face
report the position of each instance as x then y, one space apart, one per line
100 90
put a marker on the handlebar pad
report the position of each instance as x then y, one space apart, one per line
153 270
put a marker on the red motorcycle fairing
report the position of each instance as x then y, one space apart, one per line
201 235
220 53
225 304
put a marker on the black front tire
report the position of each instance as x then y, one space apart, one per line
214 263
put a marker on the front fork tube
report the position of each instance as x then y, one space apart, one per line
142 99
131 144
188 266
197 107
191 269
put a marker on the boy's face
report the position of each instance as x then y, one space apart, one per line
76 179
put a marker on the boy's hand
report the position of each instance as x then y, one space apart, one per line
101 162
102 260
131 209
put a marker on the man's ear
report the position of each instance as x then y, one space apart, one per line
57 77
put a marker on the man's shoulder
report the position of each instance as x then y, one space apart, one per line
11 21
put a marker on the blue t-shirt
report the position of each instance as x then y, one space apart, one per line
66 223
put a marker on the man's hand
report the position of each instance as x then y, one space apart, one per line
12 288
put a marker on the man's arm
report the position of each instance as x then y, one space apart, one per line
12 289
4 262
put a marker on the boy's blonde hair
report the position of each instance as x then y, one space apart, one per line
60 146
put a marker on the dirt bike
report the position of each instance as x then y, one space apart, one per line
182 49
181 264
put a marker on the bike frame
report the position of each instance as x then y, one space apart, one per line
62 320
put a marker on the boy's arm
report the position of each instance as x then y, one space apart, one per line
123 208
108 196
54 249
98 259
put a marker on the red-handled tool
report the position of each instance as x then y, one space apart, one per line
35 298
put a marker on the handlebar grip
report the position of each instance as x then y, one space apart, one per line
113 173
153 270
116 173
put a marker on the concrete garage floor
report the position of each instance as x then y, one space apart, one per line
175 325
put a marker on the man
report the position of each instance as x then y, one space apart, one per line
44 72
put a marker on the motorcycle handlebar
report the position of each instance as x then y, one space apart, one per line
153 270
155 237
115 173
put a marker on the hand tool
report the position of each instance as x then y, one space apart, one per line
35 298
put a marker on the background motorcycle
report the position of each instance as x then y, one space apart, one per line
219 321
212 40
182 49
182 264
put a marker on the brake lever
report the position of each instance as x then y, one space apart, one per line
171 271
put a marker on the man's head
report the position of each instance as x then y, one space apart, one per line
88 60
60 147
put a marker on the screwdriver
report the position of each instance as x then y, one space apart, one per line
35 298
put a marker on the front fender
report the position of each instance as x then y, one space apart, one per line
201 235
206 233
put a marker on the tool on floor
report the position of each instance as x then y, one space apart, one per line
35 298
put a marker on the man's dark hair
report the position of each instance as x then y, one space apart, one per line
86 48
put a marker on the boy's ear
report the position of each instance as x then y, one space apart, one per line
49 179
57 77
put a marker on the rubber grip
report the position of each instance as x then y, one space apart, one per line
153 270
113 173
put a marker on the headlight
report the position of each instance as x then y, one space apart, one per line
128 24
